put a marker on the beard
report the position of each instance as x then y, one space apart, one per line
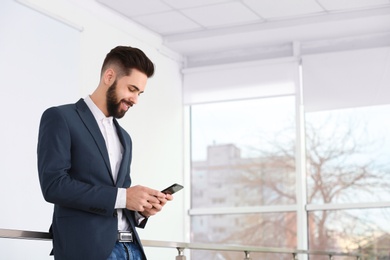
113 104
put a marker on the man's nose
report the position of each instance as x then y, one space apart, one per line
134 98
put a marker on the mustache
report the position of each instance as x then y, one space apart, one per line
128 103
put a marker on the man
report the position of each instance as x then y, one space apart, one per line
84 158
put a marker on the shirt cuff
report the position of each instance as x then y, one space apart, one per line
139 218
120 202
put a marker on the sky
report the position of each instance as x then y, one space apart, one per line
241 122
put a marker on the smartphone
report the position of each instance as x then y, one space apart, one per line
172 189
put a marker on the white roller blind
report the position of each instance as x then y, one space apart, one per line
239 81
346 79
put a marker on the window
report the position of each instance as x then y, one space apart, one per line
348 155
347 158
243 156
359 230
246 151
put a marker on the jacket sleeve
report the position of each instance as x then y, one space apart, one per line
59 179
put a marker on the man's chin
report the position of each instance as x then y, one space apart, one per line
120 114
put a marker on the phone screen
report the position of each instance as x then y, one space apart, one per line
172 189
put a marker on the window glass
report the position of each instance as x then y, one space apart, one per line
243 153
360 230
234 255
262 230
348 155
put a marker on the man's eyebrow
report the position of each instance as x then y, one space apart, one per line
137 88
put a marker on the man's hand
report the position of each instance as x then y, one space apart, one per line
157 207
145 200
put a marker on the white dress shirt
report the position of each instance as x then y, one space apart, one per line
115 151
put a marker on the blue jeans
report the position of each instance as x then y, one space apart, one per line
126 251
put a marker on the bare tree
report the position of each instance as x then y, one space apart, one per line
339 170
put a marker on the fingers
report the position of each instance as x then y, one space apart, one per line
150 211
160 195
140 198
146 200
154 199
163 201
157 207
169 197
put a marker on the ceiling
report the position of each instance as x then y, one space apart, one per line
207 32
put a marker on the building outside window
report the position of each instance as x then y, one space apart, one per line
243 160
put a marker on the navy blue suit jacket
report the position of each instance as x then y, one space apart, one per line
75 175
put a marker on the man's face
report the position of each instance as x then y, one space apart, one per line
124 92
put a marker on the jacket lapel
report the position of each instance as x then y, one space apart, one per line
92 126
126 156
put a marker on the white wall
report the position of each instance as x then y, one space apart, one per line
37 71
155 124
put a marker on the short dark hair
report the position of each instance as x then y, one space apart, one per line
125 58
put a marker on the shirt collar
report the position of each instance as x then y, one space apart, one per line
97 113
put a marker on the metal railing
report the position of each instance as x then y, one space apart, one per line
181 246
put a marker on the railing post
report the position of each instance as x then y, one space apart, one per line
181 255
247 255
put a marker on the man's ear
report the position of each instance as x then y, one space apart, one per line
109 76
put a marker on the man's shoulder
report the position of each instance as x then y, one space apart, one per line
69 106
64 109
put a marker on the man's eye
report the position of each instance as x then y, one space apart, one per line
135 90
